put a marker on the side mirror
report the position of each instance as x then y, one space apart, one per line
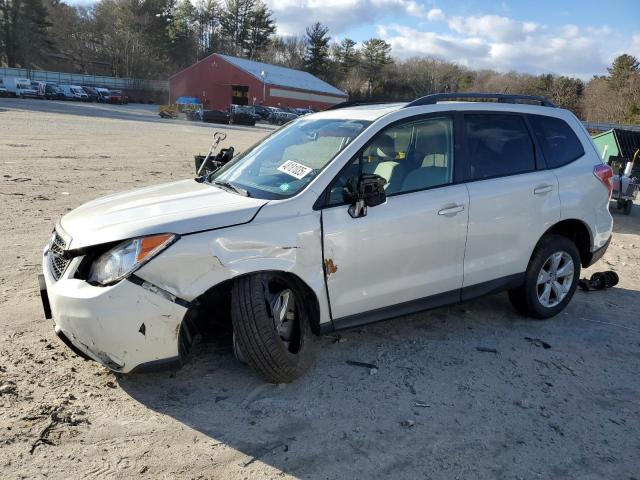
368 192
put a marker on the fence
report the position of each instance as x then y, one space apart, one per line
89 80
603 127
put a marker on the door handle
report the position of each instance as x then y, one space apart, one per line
542 189
451 210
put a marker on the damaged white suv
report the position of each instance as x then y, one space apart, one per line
340 218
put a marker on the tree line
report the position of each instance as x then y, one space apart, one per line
155 38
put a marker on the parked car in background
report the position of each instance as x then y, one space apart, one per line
3 90
216 116
20 87
244 115
74 92
53 92
280 117
103 95
262 111
118 96
91 92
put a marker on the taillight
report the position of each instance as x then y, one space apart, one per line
604 173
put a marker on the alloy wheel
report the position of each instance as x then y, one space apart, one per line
555 279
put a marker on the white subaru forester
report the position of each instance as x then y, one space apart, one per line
340 218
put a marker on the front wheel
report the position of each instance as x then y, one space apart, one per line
550 280
271 326
627 207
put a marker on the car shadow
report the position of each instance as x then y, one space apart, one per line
454 372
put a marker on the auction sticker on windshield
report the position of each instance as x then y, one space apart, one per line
295 169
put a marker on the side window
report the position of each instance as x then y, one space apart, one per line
498 145
558 140
411 156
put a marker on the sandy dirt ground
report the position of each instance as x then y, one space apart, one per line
467 392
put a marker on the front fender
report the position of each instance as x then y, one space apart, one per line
201 261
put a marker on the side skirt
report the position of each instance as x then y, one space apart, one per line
427 303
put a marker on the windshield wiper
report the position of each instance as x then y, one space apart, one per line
231 186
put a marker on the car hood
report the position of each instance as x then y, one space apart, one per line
179 207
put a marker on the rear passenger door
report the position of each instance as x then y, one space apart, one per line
513 199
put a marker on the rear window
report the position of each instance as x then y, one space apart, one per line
557 139
498 145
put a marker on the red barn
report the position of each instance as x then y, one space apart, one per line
221 80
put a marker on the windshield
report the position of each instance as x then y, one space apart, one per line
285 162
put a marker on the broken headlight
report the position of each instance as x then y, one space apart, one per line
126 257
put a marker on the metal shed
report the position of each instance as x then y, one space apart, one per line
221 80
617 144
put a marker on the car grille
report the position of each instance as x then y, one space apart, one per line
59 262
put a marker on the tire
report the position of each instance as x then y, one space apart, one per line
627 207
254 309
545 300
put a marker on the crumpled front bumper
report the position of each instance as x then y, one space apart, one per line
125 326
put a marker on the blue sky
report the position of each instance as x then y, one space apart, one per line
575 38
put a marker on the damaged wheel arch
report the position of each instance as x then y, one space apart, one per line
210 313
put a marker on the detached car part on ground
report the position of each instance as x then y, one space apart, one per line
341 218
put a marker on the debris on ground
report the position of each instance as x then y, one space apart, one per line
538 342
8 388
486 350
407 423
353 363
599 281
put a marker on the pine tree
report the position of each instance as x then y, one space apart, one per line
376 55
623 67
261 28
317 50
234 25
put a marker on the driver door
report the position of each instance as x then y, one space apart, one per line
406 254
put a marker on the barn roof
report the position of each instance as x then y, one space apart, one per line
282 76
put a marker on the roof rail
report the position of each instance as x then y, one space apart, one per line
358 103
498 97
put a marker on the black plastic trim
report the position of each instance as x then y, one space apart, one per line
398 310
422 304
71 346
44 296
492 286
596 255
158 365
165 294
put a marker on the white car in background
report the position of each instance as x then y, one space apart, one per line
19 87
341 218
74 92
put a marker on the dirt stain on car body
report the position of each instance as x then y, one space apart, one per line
330 267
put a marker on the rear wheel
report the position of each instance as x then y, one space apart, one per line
627 207
271 326
550 280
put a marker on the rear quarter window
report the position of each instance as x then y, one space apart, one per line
559 142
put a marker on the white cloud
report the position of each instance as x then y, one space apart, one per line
494 27
566 51
435 14
292 16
